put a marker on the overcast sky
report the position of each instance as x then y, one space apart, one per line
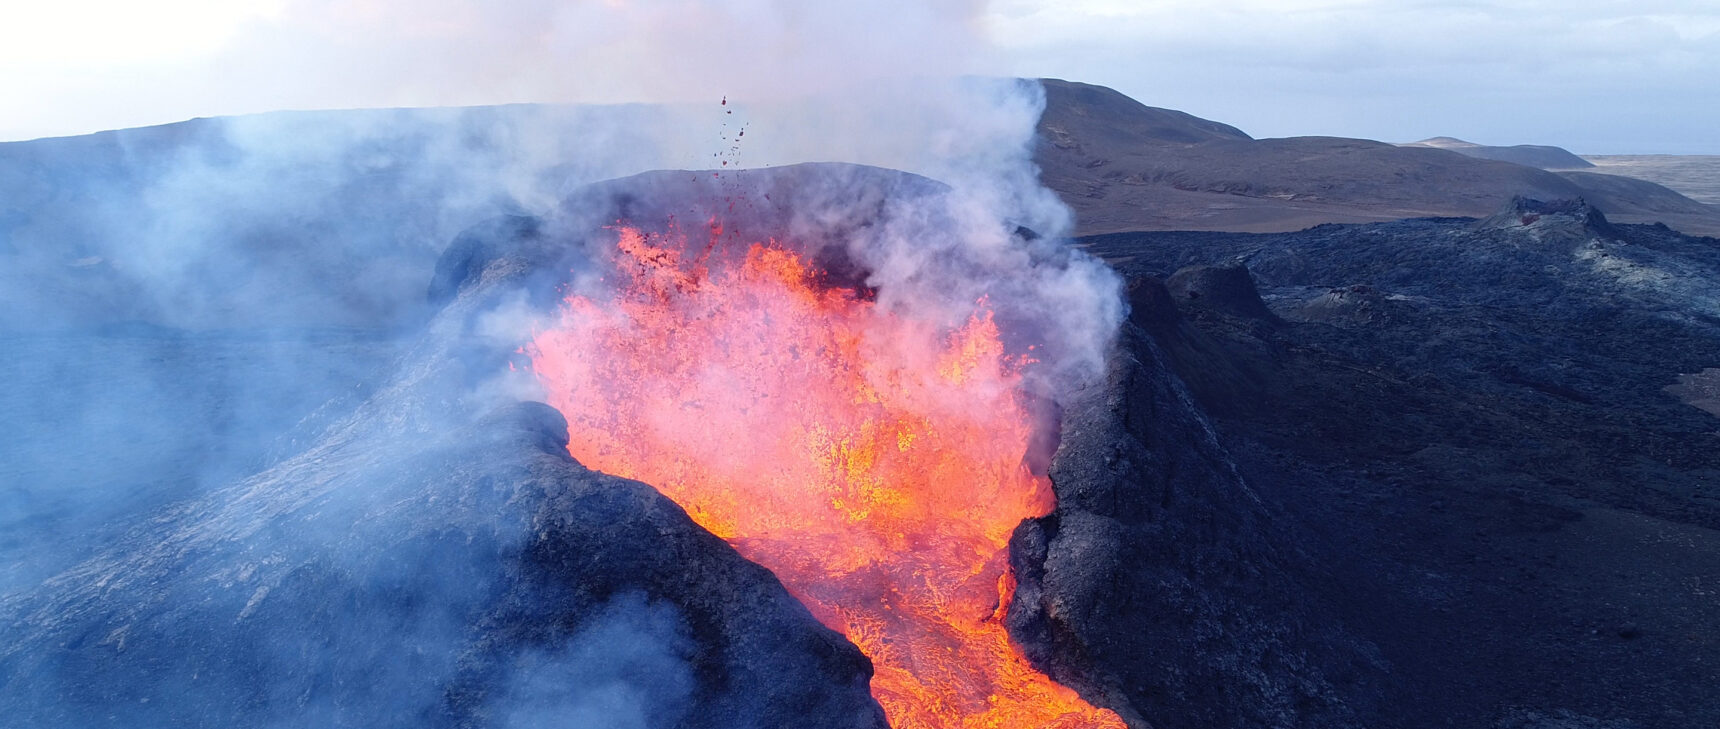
1596 76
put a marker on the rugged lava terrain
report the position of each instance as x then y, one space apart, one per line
1468 425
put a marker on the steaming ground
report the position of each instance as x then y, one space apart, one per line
104 426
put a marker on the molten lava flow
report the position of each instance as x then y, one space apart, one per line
873 462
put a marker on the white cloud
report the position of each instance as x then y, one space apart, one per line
1599 76
107 33
201 57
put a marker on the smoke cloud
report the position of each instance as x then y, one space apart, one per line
628 670
193 304
317 54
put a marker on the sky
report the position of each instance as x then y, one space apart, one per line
1594 76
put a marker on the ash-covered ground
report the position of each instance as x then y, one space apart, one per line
108 423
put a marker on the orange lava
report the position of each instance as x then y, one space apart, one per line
870 460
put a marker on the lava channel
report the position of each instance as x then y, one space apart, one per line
873 462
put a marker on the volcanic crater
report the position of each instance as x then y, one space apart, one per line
876 458
907 473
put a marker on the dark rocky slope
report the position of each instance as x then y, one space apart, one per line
1469 426
1161 586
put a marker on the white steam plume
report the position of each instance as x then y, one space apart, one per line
313 220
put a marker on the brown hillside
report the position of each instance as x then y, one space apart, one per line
1125 166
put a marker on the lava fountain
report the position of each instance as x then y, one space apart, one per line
872 461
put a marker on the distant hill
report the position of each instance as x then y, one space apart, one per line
1528 155
1126 166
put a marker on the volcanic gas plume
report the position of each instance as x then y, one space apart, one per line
871 459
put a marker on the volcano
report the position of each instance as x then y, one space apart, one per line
876 457
541 568
840 446
852 507
700 449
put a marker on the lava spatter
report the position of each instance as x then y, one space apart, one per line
871 460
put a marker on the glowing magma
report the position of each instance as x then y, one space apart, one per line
870 460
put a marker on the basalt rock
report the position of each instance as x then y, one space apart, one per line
1226 289
1504 479
1557 217
1159 587
1357 305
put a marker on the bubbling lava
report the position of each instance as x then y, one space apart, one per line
870 460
